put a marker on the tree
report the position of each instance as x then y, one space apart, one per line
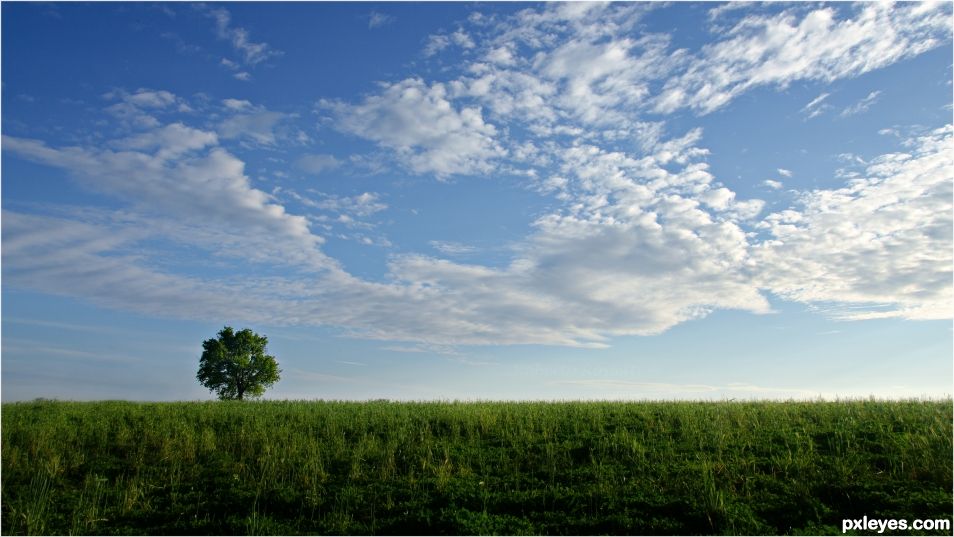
235 364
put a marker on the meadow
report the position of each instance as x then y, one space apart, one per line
276 467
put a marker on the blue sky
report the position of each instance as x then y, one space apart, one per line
479 201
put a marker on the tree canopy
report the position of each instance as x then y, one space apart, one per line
235 364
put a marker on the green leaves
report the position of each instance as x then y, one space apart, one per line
235 364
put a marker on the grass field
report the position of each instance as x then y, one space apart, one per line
472 468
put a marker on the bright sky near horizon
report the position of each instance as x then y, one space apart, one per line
480 201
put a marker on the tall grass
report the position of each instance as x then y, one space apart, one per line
471 468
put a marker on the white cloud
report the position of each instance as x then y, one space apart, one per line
461 39
170 141
501 56
727 7
136 109
600 76
773 184
351 211
435 44
863 105
253 123
717 198
72 258
581 64
317 164
815 102
511 94
630 255
582 69
150 99
362 205
376 19
427 133
634 251
452 248
783 172
639 236
252 53
236 104
879 247
815 108
438 42
577 70
177 173
779 49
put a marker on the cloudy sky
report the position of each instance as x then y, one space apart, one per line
494 201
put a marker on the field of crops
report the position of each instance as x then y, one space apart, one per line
471 468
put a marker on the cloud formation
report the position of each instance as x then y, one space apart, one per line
816 107
137 109
878 247
863 105
254 124
252 53
637 236
377 19
428 134
635 253
72 258
779 49
179 173
317 164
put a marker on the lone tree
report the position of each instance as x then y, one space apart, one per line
235 365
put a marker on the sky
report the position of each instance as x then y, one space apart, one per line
422 201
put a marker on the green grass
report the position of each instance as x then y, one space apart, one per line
471 468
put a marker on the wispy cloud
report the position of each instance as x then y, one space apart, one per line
237 72
377 19
780 49
12 348
364 204
317 164
179 173
236 104
649 260
139 108
728 7
871 249
425 348
452 248
182 47
435 44
863 105
637 235
816 107
252 53
252 124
